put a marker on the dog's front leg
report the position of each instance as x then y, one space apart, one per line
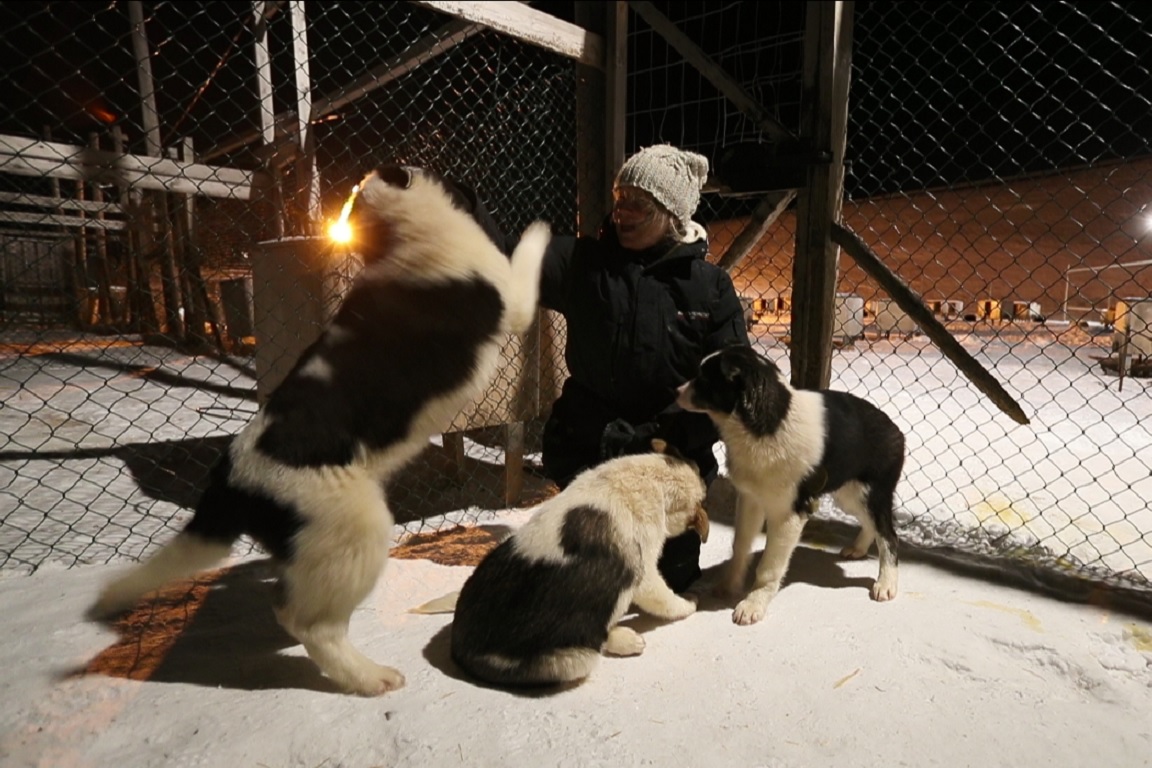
750 513
784 529
656 598
623 641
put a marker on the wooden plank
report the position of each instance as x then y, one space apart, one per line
46 159
283 125
62 203
416 55
908 301
530 26
711 71
767 211
827 44
59 220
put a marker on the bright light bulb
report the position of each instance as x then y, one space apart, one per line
340 230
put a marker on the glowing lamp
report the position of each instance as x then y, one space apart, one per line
340 231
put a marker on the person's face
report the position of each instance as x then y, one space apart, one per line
640 222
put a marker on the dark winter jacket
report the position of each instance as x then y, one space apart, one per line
638 325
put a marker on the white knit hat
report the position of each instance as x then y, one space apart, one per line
673 176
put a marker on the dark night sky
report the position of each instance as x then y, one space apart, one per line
942 92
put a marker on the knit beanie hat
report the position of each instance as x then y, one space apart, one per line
673 176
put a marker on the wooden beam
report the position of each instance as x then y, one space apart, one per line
150 116
63 203
767 211
712 71
616 86
267 106
908 301
283 125
530 26
58 220
46 159
307 179
593 181
443 40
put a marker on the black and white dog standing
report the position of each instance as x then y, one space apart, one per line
415 340
543 606
786 447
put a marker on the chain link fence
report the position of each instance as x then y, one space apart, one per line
998 160
139 288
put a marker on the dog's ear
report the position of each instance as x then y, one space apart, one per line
732 365
399 176
659 445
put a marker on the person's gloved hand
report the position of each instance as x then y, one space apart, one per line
621 439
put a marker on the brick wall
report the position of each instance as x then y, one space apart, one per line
1005 241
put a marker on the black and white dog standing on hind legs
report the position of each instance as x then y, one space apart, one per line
786 447
414 341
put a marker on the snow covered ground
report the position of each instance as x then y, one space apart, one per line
955 672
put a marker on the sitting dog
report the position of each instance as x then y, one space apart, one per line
787 447
543 605
415 340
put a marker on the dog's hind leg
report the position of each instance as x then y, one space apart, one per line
185 556
784 529
749 522
851 497
880 504
338 557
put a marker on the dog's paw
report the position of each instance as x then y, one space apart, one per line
750 610
624 641
381 680
883 591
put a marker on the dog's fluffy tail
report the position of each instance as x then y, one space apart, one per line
524 290
185 556
563 665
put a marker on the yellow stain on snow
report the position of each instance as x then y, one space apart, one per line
1000 508
1027 617
1140 637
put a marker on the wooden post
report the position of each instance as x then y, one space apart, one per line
207 310
593 177
158 202
150 117
85 302
138 239
827 60
273 194
106 316
307 197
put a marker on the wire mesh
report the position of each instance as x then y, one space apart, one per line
998 160
134 303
